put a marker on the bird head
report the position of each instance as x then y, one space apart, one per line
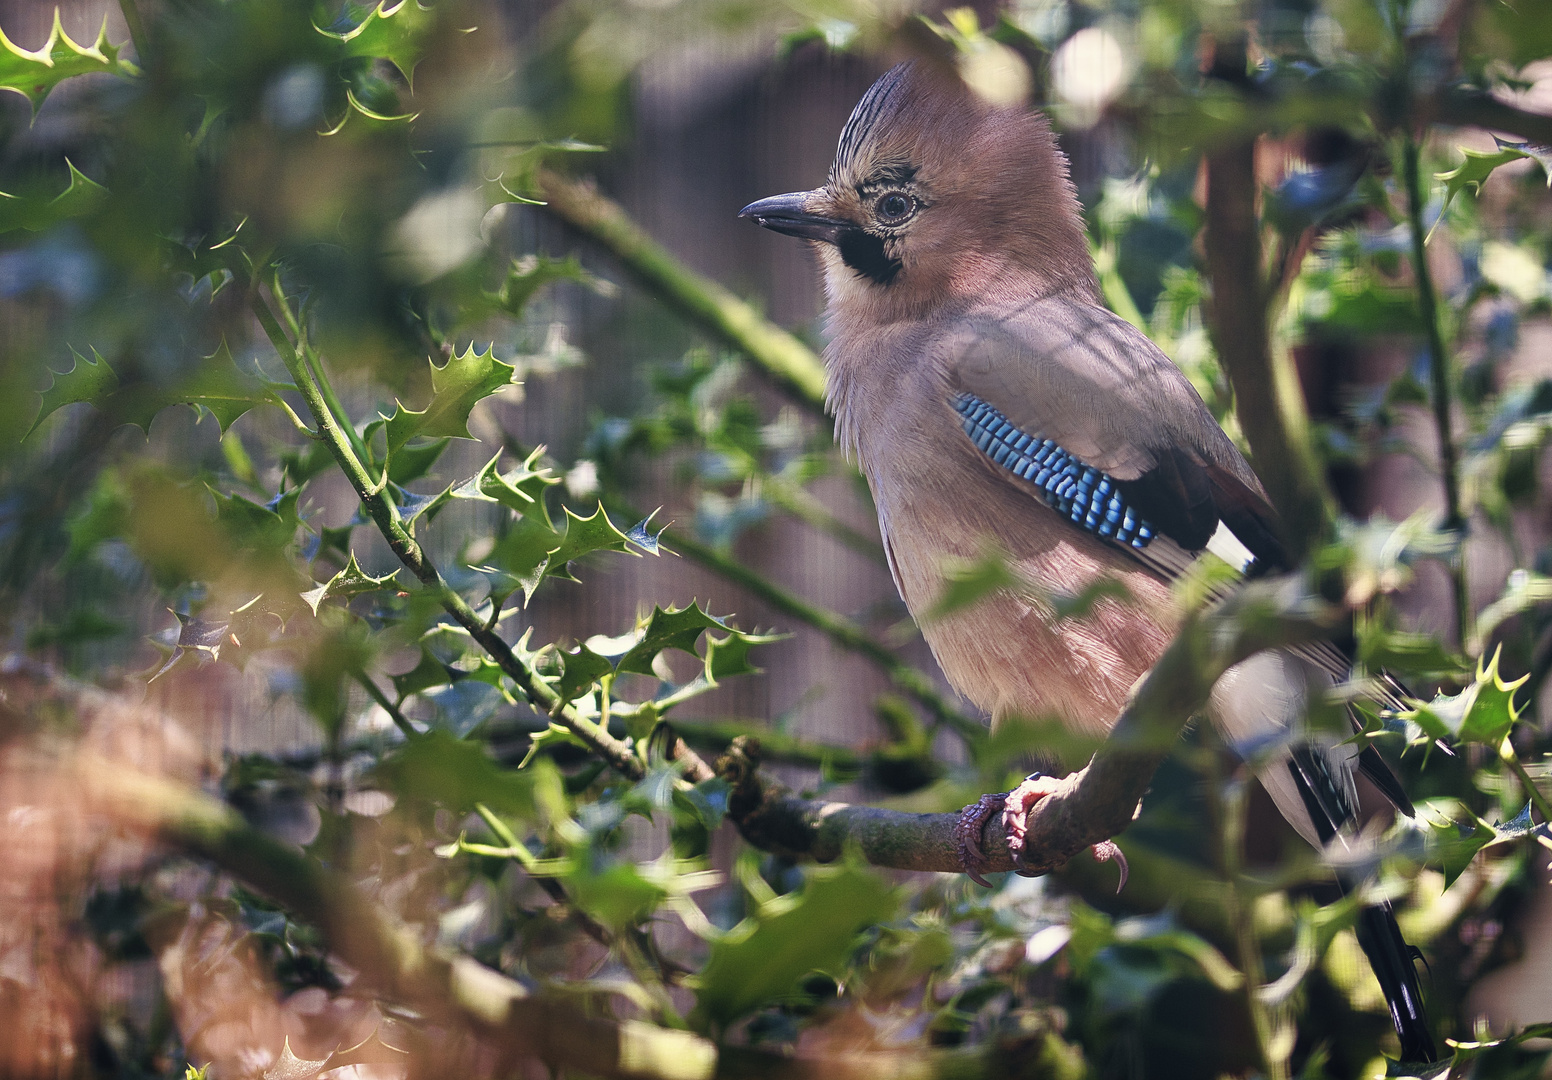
937 195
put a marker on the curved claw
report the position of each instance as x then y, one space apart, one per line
1105 851
967 835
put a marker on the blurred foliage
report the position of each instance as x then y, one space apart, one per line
304 222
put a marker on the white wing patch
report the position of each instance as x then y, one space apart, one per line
1228 547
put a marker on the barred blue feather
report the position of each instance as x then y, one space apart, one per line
1084 495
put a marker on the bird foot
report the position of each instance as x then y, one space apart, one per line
967 834
1015 806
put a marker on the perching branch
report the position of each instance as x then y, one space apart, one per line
703 302
1472 108
1094 804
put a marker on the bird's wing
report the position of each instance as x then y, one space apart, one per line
1086 411
1093 394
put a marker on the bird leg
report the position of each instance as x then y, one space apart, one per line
1015 806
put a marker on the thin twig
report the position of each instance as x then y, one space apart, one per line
375 692
701 301
842 631
1438 385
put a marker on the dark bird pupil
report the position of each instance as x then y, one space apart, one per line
894 206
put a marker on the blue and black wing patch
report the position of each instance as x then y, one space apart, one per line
1085 496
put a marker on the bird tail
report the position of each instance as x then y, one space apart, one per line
1390 957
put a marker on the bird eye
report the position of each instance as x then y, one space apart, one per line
895 207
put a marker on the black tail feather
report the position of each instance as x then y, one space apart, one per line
1379 936
1391 958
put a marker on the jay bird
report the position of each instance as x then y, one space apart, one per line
990 397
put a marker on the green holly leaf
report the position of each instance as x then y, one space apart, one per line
583 668
585 535
201 638
32 73
1479 165
548 739
1483 712
413 507
259 527
413 462
675 628
393 32
349 582
87 380
1456 835
217 387
763 958
521 558
520 490
456 387
362 116
729 656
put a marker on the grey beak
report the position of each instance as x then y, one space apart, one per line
785 214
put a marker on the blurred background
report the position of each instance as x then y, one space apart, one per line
681 112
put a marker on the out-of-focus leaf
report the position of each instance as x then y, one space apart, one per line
969 583
708 800
216 386
441 768
36 213
428 672
763 958
1523 590
34 72
392 32
531 273
619 896
1482 713
290 1067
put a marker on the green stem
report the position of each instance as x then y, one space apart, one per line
386 516
1439 385
1532 792
137 29
839 629
400 721
796 500
1230 819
